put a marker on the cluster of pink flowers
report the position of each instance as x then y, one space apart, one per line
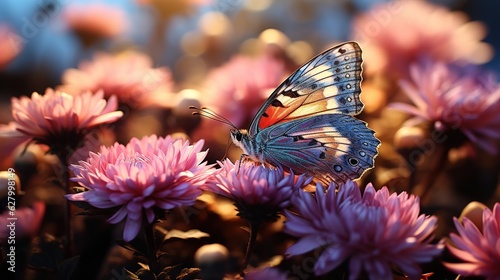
396 34
141 177
129 76
374 231
454 99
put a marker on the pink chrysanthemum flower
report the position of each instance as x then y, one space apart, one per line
237 93
94 21
27 223
480 251
259 192
373 231
238 88
397 33
454 99
143 177
58 119
129 76
92 143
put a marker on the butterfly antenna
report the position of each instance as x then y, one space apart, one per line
207 113
228 146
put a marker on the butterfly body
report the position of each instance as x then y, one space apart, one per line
307 123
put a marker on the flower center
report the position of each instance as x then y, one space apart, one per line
137 160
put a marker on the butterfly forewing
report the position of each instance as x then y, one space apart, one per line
327 84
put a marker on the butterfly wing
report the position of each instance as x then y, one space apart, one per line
333 147
327 84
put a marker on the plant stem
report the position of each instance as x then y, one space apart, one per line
254 228
151 247
425 185
65 184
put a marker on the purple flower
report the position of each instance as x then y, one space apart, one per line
373 231
137 179
259 192
479 251
454 99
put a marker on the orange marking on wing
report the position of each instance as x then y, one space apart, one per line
332 153
277 114
269 119
305 105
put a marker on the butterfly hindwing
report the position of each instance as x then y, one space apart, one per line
329 147
327 84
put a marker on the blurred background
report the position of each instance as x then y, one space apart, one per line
42 38
160 56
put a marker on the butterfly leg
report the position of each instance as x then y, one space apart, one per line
242 157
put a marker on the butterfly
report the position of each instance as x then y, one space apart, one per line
307 124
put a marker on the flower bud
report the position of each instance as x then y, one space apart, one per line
408 142
182 112
474 212
213 261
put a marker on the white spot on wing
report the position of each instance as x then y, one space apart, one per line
328 136
322 74
330 91
332 103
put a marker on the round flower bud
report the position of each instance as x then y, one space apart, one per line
213 261
408 142
474 212
409 137
182 112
